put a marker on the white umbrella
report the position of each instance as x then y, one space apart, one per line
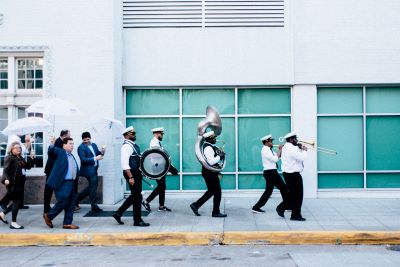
54 106
27 125
109 129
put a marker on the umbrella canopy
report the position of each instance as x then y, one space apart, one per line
109 129
54 106
27 125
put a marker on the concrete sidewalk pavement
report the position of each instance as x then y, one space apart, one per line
329 221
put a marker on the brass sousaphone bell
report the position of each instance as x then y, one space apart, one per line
212 121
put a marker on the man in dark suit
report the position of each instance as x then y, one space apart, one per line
62 179
89 155
48 190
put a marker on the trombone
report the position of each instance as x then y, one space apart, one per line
311 144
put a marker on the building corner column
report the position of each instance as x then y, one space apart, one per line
304 123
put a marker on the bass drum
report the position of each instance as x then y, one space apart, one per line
155 163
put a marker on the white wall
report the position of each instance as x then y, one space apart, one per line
82 42
347 41
331 41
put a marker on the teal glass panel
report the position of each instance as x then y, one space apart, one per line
383 180
383 99
339 100
171 137
264 101
250 132
345 135
383 133
251 181
340 180
195 101
152 102
193 182
189 128
228 181
196 182
172 183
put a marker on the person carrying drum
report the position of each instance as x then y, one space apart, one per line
158 134
130 163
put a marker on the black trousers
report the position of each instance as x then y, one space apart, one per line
16 198
135 198
7 198
213 189
294 183
160 191
48 193
273 179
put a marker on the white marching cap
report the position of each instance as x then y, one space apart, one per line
129 129
265 138
290 135
208 134
159 129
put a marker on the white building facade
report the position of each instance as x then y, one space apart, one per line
328 70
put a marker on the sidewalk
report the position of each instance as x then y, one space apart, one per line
329 221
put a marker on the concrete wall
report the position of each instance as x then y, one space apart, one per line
83 42
332 41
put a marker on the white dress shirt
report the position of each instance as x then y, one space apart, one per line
154 143
269 158
209 154
126 152
292 158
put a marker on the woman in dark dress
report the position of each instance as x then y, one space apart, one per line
14 179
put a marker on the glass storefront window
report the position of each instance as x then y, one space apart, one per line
184 108
250 132
340 100
262 101
195 101
344 122
152 102
3 73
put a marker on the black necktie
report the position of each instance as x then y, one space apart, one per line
276 163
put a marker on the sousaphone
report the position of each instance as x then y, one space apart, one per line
211 122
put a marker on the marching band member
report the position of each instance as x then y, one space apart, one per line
293 156
272 178
211 178
130 163
158 134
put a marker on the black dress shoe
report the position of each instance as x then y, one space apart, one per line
300 219
280 211
219 215
146 206
117 217
194 209
3 219
142 224
97 209
24 207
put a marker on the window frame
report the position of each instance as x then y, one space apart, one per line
364 114
235 116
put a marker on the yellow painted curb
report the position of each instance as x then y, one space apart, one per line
111 239
201 238
312 237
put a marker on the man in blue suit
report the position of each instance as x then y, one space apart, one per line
62 179
90 155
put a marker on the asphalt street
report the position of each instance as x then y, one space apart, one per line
255 255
